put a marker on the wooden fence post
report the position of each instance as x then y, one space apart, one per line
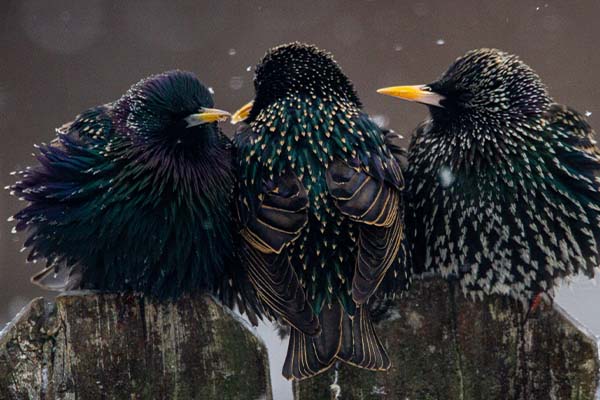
445 347
91 346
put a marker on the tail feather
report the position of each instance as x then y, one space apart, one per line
327 344
350 339
58 278
310 355
360 345
301 361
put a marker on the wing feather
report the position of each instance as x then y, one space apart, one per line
377 206
278 220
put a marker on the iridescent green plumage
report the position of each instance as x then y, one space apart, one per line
132 196
310 137
320 207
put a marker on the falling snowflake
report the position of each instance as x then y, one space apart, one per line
232 52
446 177
211 90
380 120
440 42
588 113
249 68
236 82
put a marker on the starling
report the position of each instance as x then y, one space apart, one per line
502 183
134 195
320 208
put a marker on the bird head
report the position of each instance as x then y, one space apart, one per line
172 107
295 69
482 82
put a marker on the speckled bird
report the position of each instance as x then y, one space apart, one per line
134 195
502 182
320 207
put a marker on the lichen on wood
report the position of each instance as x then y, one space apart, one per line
445 347
92 346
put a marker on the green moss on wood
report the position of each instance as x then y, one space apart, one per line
124 347
445 347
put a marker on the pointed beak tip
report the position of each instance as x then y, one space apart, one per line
236 118
417 93
243 113
207 116
389 91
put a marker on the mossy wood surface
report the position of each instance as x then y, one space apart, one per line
445 347
90 346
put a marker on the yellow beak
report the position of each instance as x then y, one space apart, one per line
418 93
205 116
242 113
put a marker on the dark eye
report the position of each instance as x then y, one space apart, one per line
465 97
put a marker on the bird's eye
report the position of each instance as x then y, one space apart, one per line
465 97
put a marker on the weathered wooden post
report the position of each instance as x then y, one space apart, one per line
446 347
90 346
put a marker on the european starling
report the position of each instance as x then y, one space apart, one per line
320 208
502 184
134 195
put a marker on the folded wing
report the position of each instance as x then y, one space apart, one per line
377 205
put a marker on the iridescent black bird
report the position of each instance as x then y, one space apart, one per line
320 208
134 195
502 182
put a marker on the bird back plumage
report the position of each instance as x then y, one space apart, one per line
315 264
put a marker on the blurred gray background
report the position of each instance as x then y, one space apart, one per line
60 57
